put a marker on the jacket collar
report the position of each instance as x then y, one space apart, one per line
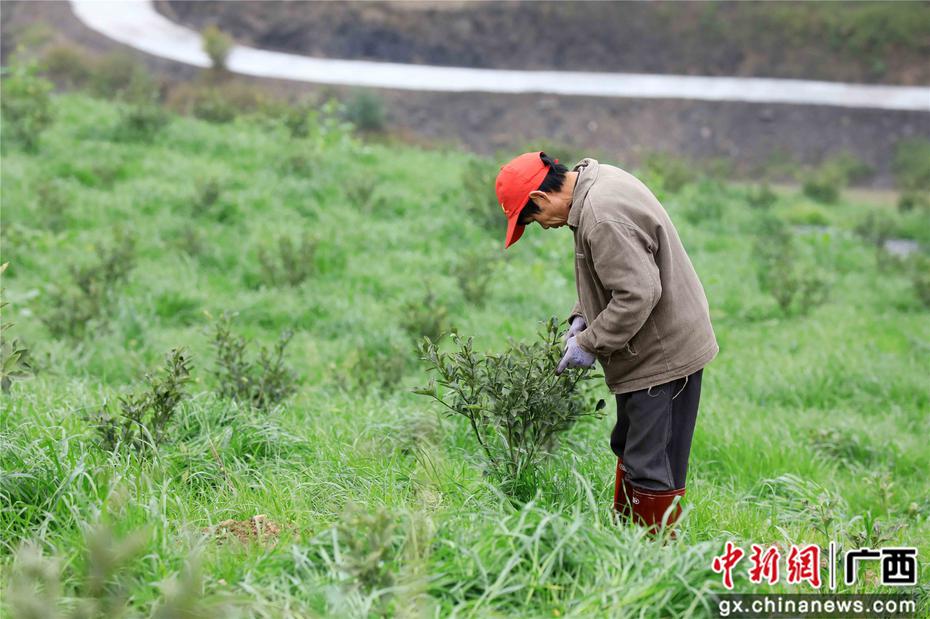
587 173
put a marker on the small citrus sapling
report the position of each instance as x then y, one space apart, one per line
14 357
516 405
144 419
260 383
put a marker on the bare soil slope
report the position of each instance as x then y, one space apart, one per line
840 41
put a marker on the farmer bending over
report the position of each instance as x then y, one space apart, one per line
641 312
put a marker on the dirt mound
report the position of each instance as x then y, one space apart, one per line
256 529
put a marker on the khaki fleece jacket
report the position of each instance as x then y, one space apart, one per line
647 315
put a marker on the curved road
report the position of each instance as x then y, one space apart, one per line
136 23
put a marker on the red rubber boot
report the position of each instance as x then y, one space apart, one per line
622 504
650 507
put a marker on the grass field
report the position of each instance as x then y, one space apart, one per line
813 425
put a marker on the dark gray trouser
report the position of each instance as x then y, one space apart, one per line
654 430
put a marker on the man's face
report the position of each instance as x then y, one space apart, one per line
553 209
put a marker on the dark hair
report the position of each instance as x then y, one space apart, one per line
555 177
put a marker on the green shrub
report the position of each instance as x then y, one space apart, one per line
297 119
26 105
52 204
14 359
301 165
912 172
118 73
328 126
365 110
480 198
145 417
380 364
672 173
827 181
208 202
93 290
190 240
366 549
14 356
914 225
290 263
705 204
98 173
474 273
919 273
914 200
720 169
361 192
261 383
876 227
805 214
516 405
796 284
214 107
823 185
141 122
218 101
427 317
761 197
217 45
208 192
68 66
851 167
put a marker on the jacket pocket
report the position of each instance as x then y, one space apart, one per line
627 352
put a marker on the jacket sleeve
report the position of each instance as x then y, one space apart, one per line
623 260
576 311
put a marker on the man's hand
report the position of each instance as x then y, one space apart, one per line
575 357
575 327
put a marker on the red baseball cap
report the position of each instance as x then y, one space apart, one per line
516 180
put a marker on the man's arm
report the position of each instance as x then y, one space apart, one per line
624 263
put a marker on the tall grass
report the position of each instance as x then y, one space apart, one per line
798 411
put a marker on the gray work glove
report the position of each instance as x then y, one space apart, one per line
575 357
575 327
